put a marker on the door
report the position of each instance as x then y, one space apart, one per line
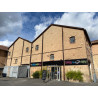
55 73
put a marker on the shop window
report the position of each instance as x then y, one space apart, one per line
37 47
52 57
72 39
27 49
9 53
16 60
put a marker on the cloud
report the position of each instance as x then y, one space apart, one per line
10 23
78 19
42 26
6 43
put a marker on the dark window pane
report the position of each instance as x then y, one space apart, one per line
72 39
16 60
27 49
52 57
37 47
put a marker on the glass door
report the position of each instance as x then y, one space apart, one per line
55 73
58 73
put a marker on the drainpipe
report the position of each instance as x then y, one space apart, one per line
63 55
94 73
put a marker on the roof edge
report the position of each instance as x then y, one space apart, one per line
17 39
65 27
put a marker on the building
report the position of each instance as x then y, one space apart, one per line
3 57
18 55
62 48
58 49
95 56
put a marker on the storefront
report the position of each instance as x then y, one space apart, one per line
56 69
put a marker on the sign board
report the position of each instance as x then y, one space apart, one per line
36 64
76 62
61 62
44 75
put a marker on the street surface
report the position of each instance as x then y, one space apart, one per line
39 82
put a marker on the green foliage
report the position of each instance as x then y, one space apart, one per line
36 74
75 75
40 74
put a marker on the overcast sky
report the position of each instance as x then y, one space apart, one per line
30 25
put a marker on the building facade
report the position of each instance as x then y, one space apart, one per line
61 49
3 57
19 53
95 56
58 49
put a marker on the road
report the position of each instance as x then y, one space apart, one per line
39 82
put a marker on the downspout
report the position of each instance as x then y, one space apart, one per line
42 52
94 74
12 55
30 58
22 52
63 55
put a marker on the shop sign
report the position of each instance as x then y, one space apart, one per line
36 64
76 62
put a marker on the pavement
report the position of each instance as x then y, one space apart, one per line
38 82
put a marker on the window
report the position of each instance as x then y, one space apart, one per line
72 39
52 57
37 47
9 53
27 49
16 60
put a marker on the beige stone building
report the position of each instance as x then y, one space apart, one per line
95 56
61 49
3 57
58 49
19 53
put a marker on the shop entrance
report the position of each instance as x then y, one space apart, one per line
54 73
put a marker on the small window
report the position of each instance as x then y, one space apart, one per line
16 60
27 49
72 39
52 57
37 47
9 53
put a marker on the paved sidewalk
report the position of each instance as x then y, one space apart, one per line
39 82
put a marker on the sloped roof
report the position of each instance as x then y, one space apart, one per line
17 39
94 42
85 32
3 48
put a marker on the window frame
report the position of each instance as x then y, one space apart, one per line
37 47
27 49
71 41
9 53
16 60
52 56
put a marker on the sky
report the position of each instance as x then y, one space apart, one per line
29 25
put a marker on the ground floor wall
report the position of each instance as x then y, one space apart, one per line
83 68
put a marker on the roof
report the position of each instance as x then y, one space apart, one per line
85 32
3 48
17 39
94 42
